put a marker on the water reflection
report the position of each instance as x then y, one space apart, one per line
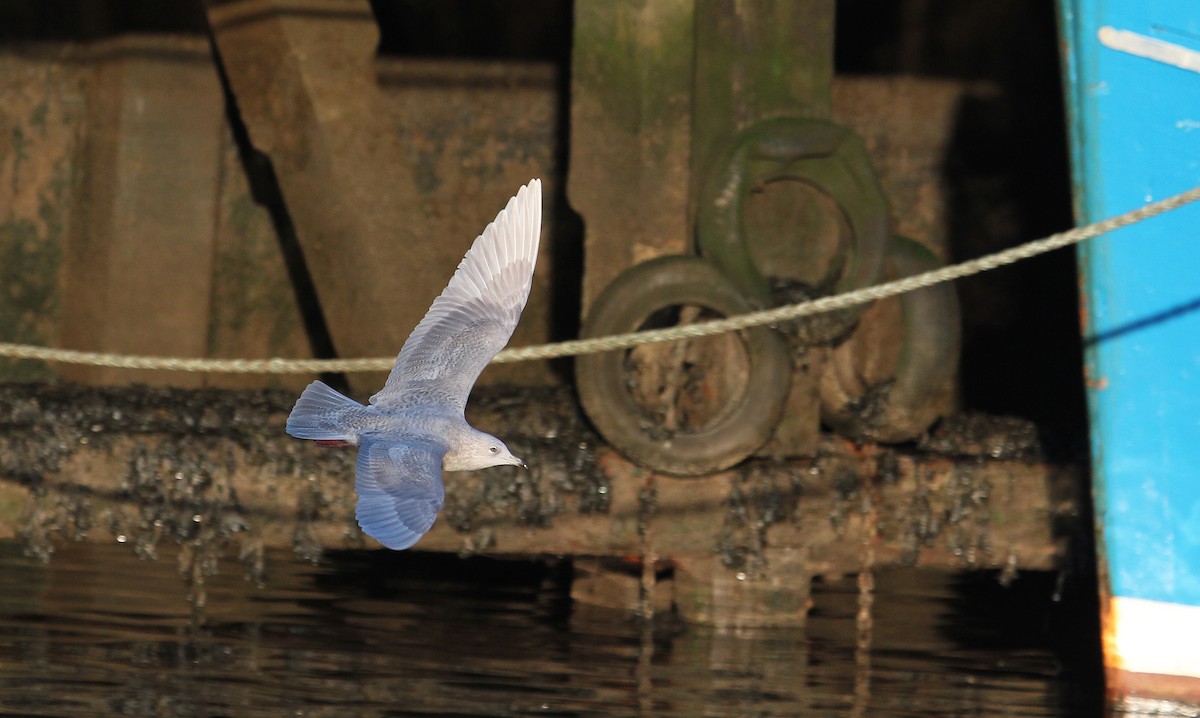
100 632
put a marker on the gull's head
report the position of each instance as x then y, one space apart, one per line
479 451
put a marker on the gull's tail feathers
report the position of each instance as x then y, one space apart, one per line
320 414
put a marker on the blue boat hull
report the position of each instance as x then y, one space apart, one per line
1132 73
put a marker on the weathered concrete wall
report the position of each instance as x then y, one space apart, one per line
254 310
41 127
131 226
381 216
471 133
139 258
141 234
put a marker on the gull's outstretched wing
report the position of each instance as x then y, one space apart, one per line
475 315
399 485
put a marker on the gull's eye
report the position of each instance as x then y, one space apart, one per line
494 449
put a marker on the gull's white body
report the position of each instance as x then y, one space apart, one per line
414 427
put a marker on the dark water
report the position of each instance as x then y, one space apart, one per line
100 632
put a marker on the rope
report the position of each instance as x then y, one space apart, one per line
578 347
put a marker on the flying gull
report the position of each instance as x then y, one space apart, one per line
414 427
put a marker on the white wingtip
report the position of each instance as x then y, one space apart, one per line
510 239
524 211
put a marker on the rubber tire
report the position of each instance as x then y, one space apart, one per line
926 369
623 307
827 156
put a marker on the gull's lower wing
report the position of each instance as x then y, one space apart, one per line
400 491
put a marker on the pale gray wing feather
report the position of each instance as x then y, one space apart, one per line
475 315
399 485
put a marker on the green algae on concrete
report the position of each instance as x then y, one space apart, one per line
40 127
631 124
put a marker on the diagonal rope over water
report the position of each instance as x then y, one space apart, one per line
578 347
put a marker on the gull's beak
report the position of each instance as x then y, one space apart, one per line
521 463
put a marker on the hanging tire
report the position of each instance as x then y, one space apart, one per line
901 402
821 155
733 424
